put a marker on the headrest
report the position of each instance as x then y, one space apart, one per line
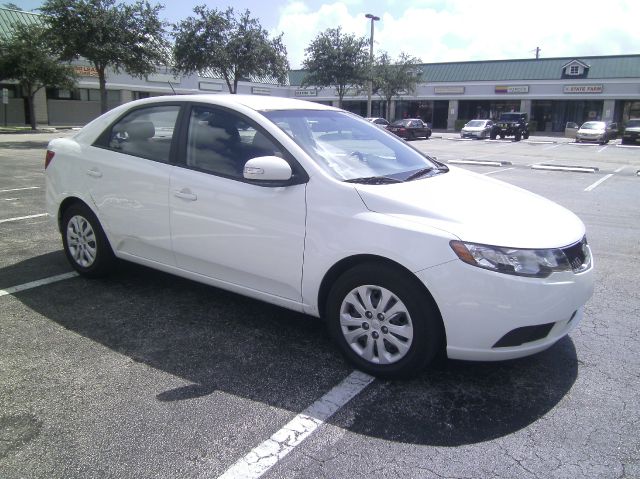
140 130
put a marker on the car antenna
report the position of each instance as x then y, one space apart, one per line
174 92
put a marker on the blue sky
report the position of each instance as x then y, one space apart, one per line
439 30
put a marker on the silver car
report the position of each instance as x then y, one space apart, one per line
597 131
477 129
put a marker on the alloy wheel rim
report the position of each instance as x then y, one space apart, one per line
376 324
81 241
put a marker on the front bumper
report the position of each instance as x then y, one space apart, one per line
480 308
590 137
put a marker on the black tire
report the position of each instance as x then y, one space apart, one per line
420 315
492 135
91 255
525 135
518 136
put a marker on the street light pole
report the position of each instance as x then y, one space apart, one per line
373 18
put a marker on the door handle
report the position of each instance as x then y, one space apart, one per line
94 172
185 194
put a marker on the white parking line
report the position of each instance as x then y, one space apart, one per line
498 171
21 189
18 218
266 455
552 147
603 148
603 179
35 284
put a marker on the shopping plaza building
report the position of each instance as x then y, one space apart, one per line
553 91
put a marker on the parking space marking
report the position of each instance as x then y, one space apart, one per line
603 179
577 169
266 455
35 284
498 171
552 147
603 148
18 218
21 189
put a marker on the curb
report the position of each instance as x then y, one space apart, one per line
578 169
480 162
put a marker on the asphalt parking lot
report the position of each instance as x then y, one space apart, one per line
144 374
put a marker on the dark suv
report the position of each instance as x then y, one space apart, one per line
511 124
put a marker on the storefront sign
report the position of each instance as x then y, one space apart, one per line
448 90
302 93
583 88
256 90
512 89
85 71
207 86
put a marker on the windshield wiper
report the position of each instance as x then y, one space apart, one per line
419 173
374 180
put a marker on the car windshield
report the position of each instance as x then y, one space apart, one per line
633 124
510 117
593 125
350 148
401 123
477 123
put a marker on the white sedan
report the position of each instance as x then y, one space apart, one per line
313 209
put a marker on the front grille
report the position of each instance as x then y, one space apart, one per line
578 255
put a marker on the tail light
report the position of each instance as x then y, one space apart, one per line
48 158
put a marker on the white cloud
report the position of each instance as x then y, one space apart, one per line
460 30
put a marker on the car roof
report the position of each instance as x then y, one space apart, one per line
255 102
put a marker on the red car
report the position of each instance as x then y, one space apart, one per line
410 128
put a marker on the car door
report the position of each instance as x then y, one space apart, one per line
227 228
571 129
127 174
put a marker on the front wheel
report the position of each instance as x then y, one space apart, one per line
85 243
383 322
525 135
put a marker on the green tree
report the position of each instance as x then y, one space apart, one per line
237 48
336 59
27 58
123 37
390 79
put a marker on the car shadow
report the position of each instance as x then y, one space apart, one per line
220 341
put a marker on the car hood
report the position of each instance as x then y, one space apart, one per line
474 128
593 131
477 209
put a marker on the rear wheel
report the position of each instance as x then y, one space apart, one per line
85 243
518 136
525 135
383 322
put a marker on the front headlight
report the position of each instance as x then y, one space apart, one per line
533 263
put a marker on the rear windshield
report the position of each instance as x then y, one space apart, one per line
510 116
633 124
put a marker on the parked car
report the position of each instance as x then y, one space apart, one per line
381 122
597 131
480 129
514 124
403 256
631 135
410 128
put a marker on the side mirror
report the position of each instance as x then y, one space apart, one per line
267 168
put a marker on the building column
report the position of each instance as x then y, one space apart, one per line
126 96
40 107
525 107
452 115
608 108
